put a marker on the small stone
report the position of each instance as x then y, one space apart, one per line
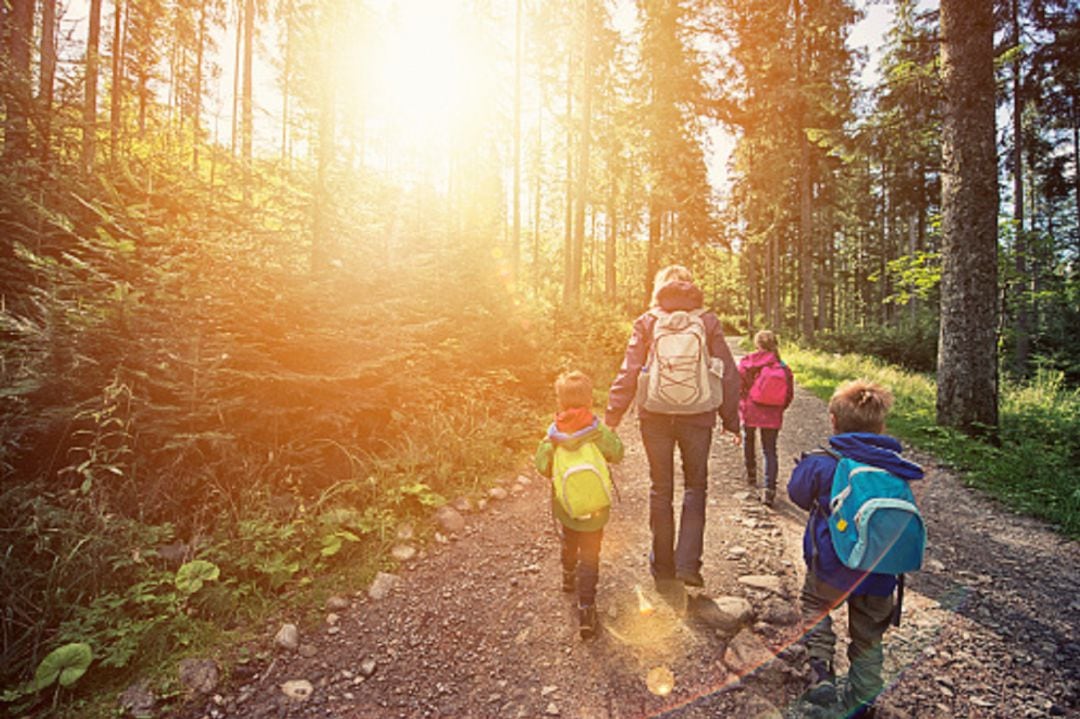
736 552
523 481
297 689
199 676
367 667
308 650
332 619
746 653
333 630
481 505
440 538
552 710
337 603
497 493
405 531
449 519
780 613
741 496
462 504
935 565
725 614
403 552
138 700
548 690
288 637
382 585
766 582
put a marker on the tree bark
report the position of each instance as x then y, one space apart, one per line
196 120
20 30
568 245
246 107
967 375
116 96
583 158
515 247
1022 328
89 138
48 76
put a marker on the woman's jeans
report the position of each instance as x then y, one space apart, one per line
660 434
768 446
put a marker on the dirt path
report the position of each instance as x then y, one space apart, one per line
478 627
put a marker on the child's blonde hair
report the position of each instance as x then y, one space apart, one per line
573 389
671 273
860 406
766 340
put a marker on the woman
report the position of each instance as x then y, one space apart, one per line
674 291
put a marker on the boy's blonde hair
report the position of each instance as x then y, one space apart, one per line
860 406
573 389
767 340
671 273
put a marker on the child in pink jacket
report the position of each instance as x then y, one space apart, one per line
761 407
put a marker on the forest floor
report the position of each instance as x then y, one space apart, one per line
477 626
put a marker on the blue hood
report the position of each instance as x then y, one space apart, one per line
878 450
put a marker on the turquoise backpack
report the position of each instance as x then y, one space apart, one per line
873 521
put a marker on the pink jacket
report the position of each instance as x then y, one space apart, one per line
758 415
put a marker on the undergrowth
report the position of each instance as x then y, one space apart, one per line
1036 468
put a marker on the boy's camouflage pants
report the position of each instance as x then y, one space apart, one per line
868 618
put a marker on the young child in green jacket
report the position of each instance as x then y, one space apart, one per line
574 426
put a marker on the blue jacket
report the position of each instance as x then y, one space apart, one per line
811 483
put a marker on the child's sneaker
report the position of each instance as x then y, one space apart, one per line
768 497
569 581
587 621
822 689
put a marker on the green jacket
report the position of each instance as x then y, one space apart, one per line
609 445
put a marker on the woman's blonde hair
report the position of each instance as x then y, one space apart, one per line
860 406
671 273
767 340
573 389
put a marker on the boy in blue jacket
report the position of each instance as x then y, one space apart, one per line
857 411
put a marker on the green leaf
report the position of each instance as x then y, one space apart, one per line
191 576
66 663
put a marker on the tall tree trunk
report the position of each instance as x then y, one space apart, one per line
1022 328
238 70
568 246
583 157
806 251
117 80
652 253
286 75
610 245
89 138
515 246
20 30
539 169
967 373
48 76
196 118
246 107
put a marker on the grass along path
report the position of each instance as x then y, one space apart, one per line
1035 470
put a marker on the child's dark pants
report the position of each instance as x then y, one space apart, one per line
768 448
581 550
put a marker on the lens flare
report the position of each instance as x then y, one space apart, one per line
645 607
660 681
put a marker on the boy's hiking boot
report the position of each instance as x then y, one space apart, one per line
587 621
569 581
691 579
822 690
